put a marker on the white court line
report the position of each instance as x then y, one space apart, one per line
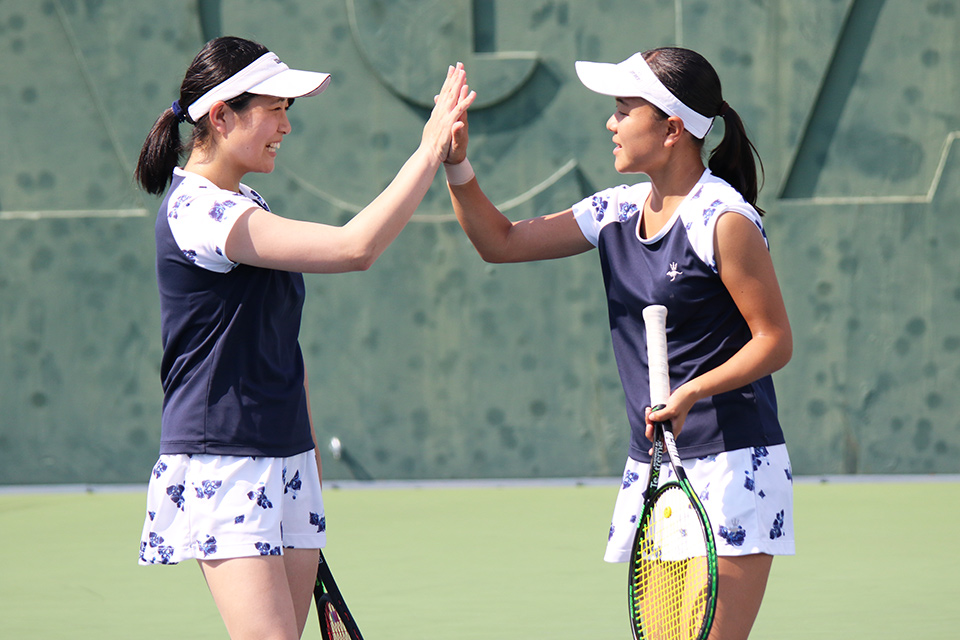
484 483
72 213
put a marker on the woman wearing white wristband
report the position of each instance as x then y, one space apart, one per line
690 239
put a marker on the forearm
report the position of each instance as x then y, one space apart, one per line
373 229
498 239
487 228
313 431
762 355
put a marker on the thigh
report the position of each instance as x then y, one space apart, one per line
253 596
743 580
301 569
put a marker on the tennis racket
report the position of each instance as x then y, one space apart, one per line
336 623
673 564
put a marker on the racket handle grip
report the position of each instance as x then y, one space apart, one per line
655 322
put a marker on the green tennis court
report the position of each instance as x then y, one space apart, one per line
875 560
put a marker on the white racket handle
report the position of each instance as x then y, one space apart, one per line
655 321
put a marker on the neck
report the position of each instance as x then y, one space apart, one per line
669 187
207 165
672 184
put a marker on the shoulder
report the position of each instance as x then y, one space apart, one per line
616 204
714 196
710 199
201 215
197 197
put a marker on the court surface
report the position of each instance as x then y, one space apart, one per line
505 561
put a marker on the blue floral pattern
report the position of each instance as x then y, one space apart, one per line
260 496
208 546
219 209
176 495
599 207
294 485
777 529
184 492
319 521
266 550
734 535
208 488
627 209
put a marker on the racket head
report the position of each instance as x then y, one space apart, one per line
672 579
336 622
332 626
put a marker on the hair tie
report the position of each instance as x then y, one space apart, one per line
724 107
178 112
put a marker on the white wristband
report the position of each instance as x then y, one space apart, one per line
460 173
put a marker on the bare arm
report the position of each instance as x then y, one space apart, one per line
263 239
746 270
313 431
497 239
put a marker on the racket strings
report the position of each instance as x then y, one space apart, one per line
336 629
670 574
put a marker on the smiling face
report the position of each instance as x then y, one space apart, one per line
255 140
639 132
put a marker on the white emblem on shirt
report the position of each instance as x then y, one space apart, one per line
673 273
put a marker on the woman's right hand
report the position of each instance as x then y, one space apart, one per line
458 144
448 118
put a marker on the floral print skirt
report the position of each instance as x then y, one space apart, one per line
210 507
747 493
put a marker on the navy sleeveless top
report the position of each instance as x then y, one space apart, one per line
677 268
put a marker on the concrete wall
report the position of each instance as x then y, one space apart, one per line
434 364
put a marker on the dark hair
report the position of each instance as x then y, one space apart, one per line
694 82
217 61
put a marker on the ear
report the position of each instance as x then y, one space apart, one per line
221 117
674 131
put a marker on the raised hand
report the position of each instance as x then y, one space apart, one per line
448 117
458 144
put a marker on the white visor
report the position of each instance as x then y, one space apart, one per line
633 78
265 76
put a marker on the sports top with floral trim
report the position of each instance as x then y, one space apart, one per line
232 369
677 268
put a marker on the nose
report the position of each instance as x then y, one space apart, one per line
285 126
612 123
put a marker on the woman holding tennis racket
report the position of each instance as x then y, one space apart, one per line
237 485
690 239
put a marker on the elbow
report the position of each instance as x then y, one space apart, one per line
785 357
363 261
360 253
492 257
784 352
498 252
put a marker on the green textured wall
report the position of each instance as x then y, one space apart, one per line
434 364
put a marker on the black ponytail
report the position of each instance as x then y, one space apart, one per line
161 152
732 159
689 77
